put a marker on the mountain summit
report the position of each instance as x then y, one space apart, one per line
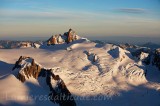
67 37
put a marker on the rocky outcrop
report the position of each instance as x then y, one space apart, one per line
27 71
147 56
67 37
71 36
25 44
126 46
143 54
91 56
53 40
139 51
27 67
61 94
156 58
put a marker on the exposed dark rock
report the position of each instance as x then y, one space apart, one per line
31 70
91 56
153 57
67 37
127 45
147 60
139 52
156 58
60 95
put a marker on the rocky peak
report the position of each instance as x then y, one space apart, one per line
27 67
67 37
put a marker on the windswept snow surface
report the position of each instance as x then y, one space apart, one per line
97 75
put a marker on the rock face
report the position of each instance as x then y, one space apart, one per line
125 46
25 44
27 67
61 92
91 56
156 58
67 37
32 69
148 56
142 54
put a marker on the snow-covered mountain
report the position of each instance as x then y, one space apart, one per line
27 67
7 44
67 37
151 45
88 73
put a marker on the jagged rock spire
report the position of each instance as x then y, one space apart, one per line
67 37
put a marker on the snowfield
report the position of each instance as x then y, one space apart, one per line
95 74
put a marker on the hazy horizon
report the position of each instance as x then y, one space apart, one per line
109 39
105 19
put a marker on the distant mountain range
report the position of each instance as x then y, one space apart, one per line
9 44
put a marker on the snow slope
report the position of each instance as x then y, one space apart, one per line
90 71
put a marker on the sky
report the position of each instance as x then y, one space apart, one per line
93 18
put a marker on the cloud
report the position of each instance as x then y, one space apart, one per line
132 10
31 14
54 14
